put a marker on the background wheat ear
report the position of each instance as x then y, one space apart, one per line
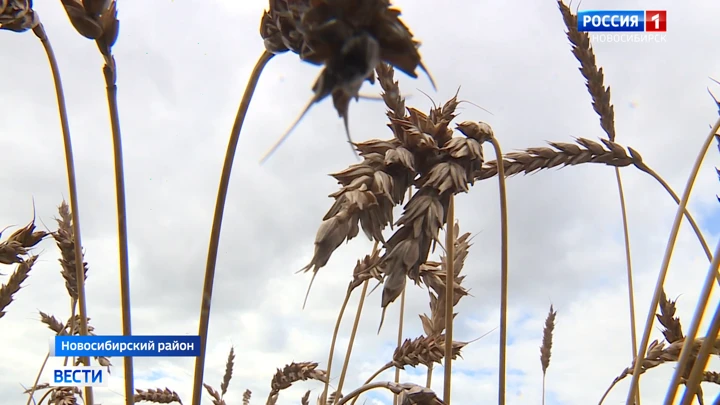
158 396
546 348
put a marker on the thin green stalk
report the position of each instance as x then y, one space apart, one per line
217 223
400 336
449 300
111 90
687 348
504 273
343 373
39 31
666 264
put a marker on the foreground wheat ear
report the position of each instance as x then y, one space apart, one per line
348 39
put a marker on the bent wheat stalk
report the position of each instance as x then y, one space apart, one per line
663 272
39 31
217 222
504 272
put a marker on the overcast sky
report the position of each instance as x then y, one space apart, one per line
182 68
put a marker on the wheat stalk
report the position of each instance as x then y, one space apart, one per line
211 262
600 95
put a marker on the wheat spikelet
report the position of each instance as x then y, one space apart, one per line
366 269
546 348
96 20
65 239
562 154
228 372
593 75
293 373
672 330
53 323
20 243
64 396
158 396
14 283
305 400
216 396
423 350
17 15
246 397
434 275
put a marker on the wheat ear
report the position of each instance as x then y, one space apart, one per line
217 223
546 348
663 273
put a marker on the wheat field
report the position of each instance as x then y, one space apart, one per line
541 287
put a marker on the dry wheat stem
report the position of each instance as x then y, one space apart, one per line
37 379
111 90
693 381
334 341
685 354
449 300
401 321
504 273
39 31
350 289
664 269
217 223
628 260
346 363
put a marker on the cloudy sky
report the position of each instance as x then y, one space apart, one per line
183 66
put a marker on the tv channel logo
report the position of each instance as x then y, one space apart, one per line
622 21
79 376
